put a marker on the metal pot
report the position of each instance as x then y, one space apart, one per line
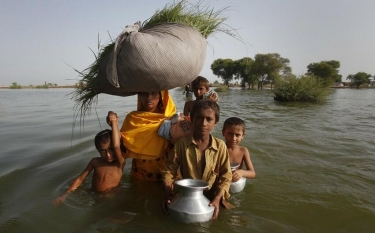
190 205
238 186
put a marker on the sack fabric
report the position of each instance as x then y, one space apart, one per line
161 57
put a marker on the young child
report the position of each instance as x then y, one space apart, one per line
201 156
233 132
108 167
200 88
178 126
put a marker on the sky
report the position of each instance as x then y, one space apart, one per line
42 41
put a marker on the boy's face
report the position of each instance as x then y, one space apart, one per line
199 92
106 152
203 122
233 135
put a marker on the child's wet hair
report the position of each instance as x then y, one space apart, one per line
205 104
198 81
234 121
102 137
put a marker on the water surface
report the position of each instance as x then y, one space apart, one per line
314 163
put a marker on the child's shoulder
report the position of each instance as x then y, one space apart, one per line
98 161
243 149
189 101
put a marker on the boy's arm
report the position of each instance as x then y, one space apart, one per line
112 120
169 173
76 182
187 107
250 172
225 178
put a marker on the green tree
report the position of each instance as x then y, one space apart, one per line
359 78
15 86
242 71
268 67
327 71
224 69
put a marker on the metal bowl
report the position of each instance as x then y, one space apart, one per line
190 205
238 186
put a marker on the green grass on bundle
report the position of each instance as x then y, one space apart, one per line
202 18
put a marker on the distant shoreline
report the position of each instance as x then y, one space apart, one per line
36 87
74 86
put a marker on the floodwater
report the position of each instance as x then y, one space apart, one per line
315 166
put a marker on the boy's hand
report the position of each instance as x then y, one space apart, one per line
168 191
237 175
60 199
112 118
213 97
216 204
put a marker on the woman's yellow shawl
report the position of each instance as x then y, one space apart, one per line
139 132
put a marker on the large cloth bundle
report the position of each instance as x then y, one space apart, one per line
161 57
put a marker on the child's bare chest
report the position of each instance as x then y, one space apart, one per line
235 155
106 176
107 171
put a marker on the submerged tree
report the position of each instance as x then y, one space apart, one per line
300 89
15 86
242 71
359 78
326 71
224 69
268 67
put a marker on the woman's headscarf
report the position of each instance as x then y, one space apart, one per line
139 132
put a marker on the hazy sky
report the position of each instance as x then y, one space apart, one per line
42 40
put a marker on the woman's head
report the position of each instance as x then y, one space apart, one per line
151 102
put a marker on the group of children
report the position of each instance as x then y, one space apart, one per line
196 153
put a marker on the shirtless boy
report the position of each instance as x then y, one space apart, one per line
234 132
201 156
200 87
108 168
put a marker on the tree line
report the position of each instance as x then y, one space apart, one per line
271 67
